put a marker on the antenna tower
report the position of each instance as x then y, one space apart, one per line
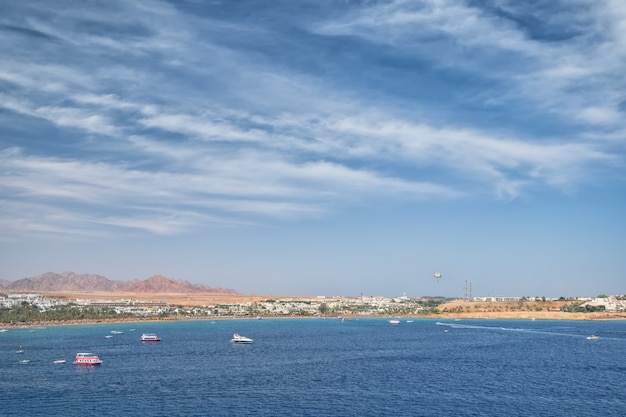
467 291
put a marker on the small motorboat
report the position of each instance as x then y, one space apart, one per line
592 337
394 321
150 337
59 361
241 339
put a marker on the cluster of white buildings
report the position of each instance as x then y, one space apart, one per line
136 307
611 303
38 300
361 306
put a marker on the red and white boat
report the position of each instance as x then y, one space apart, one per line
87 359
150 337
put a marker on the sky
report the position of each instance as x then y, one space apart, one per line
337 148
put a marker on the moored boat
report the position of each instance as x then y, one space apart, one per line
150 337
241 339
87 359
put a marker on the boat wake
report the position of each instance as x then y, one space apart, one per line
510 329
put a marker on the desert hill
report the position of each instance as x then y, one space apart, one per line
91 283
161 284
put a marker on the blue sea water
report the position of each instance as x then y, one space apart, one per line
316 367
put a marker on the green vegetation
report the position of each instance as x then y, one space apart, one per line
578 307
27 313
323 309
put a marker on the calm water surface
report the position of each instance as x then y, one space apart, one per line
315 367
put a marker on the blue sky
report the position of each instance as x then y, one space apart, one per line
317 147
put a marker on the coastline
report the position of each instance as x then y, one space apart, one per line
563 316
450 310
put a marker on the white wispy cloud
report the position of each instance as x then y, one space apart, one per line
217 133
250 183
200 127
576 78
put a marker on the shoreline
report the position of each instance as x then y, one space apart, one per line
450 310
560 316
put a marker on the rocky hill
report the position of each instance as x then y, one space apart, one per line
161 284
71 282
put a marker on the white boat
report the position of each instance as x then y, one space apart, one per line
116 332
394 321
87 359
58 361
19 351
240 339
592 337
150 337
108 336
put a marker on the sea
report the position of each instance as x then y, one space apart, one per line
318 367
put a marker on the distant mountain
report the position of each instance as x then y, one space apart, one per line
67 281
71 282
161 284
